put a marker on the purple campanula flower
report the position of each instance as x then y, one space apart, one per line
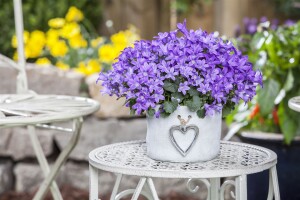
196 60
289 22
183 87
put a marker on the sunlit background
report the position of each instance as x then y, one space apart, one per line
67 43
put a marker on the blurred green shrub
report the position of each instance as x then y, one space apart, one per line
290 8
276 54
36 14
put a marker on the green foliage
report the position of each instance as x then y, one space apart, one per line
287 123
201 113
170 86
276 54
170 106
36 14
267 96
193 99
194 104
194 92
183 6
151 112
288 7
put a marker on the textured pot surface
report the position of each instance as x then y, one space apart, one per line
167 140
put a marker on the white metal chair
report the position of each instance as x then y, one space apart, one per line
26 108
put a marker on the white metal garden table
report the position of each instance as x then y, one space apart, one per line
26 108
32 110
294 103
234 160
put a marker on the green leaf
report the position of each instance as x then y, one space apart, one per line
267 96
226 111
151 112
170 106
193 91
194 104
287 124
164 114
201 113
289 82
132 112
178 95
257 41
170 86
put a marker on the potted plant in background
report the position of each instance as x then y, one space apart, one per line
69 45
267 120
184 84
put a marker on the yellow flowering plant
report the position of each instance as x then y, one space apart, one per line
67 44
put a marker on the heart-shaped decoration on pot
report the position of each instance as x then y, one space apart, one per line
183 150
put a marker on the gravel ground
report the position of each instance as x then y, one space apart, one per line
70 193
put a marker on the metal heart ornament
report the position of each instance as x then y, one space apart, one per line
183 130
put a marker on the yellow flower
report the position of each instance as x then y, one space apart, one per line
56 22
70 30
132 36
35 44
62 65
14 41
119 39
37 38
77 41
107 53
52 37
27 52
32 51
96 42
15 56
43 61
74 14
92 66
59 49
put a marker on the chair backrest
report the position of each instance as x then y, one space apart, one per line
22 84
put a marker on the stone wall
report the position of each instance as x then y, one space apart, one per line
19 169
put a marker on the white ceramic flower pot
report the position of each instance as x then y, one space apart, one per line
169 140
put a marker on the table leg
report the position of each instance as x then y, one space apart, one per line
43 161
241 187
116 187
271 189
273 173
138 189
214 192
152 188
94 194
77 123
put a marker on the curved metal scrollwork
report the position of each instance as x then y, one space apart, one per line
130 192
224 185
194 188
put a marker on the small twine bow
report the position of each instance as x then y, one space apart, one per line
182 121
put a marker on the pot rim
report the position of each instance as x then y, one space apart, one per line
265 135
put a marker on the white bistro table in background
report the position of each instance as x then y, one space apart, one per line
32 110
234 160
294 103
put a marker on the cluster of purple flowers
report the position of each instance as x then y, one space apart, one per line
250 25
215 68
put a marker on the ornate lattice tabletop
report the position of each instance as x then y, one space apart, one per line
234 159
18 110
